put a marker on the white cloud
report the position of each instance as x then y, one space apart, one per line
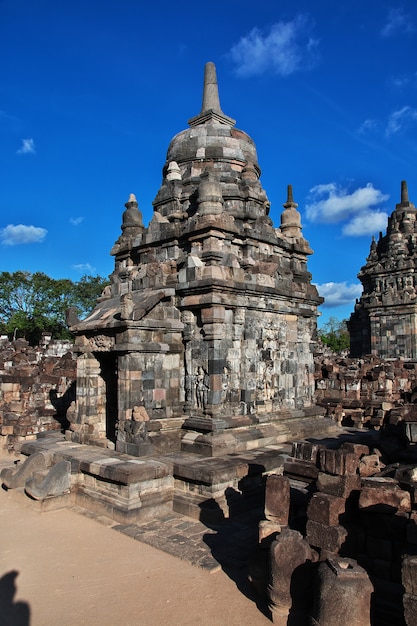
75 221
27 147
20 234
84 268
338 294
331 203
366 223
399 120
404 81
286 48
397 22
368 126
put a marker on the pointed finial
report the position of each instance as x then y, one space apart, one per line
211 100
211 111
132 200
290 200
404 192
405 202
290 218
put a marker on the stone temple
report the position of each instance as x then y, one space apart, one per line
203 340
384 322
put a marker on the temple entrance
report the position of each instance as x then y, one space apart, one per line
108 372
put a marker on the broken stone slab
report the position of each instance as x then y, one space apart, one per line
307 470
329 538
338 462
277 499
56 482
381 495
326 509
356 448
290 590
369 465
267 532
341 486
344 593
14 478
305 450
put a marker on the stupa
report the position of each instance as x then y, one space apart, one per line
384 322
203 340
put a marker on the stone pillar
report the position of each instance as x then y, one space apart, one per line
277 499
344 593
213 320
290 589
90 417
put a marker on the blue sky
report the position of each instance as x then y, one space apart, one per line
91 93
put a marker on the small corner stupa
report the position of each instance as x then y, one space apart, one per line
384 322
203 340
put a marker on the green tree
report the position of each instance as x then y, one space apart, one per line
335 334
86 292
31 304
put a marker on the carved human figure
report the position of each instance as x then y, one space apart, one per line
201 387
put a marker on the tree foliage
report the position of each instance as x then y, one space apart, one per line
335 334
31 304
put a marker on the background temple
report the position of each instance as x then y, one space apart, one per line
384 322
206 330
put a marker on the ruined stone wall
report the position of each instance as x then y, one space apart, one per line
369 391
355 506
36 388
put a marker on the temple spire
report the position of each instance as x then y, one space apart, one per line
211 98
211 111
404 192
405 202
290 200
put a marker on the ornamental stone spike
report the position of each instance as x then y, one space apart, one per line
404 201
211 111
290 199
211 100
404 192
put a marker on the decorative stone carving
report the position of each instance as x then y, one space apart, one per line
388 307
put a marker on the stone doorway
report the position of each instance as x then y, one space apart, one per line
109 372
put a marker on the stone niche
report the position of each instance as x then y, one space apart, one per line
210 317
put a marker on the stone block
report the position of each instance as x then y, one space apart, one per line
338 462
382 495
410 609
325 537
326 509
341 486
344 594
277 499
356 448
305 450
409 574
369 465
267 532
298 467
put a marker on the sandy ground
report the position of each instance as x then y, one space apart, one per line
63 569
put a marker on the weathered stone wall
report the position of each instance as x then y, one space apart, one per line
369 391
36 388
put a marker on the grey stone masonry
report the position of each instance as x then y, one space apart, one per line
210 318
384 321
